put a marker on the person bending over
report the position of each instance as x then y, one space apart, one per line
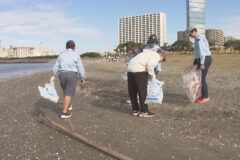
139 70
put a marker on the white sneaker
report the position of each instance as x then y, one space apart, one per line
135 113
146 115
65 115
70 108
128 101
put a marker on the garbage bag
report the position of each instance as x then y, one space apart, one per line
192 84
124 77
154 92
49 92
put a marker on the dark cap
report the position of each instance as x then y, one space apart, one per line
152 39
191 29
70 44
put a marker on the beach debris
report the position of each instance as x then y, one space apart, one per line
44 119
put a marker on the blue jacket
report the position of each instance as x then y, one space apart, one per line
155 47
69 61
201 48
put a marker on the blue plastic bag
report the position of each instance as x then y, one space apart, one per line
154 92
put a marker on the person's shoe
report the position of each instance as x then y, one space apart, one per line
70 108
198 99
146 115
128 101
202 100
65 115
135 113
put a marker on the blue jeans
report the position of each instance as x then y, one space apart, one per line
207 63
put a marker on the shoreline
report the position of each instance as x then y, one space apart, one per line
100 113
26 60
5 62
22 76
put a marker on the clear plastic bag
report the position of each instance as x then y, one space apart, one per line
49 92
192 83
154 92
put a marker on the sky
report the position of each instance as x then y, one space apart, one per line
93 24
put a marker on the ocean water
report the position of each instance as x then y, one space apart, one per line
20 69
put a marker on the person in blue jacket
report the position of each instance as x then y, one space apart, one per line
203 60
152 44
69 67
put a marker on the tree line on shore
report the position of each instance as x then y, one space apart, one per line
180 46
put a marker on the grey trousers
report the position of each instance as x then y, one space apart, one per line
68 81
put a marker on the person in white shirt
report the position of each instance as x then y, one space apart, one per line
141 69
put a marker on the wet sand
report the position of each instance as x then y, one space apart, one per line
181 130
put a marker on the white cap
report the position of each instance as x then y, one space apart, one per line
191 28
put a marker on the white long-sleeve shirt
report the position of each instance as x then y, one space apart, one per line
144 62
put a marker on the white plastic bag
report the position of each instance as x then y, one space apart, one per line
154 92
192 84
124 77
49 92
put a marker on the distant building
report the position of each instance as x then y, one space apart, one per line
21 52
38 52
182 35
139 28
196 15
229 38
3 53
215 37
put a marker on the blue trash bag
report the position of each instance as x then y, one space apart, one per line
49 92
154 92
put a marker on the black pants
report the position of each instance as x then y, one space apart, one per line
207 63
137 86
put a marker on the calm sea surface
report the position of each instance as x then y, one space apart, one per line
13 70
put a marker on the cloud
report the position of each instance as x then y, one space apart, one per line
46 22
41 22
10 2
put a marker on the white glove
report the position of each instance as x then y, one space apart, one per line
52 79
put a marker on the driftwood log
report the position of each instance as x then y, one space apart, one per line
44 119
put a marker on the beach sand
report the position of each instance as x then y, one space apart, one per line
181 130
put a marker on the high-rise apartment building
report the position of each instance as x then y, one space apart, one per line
215 37
196 15
139 28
